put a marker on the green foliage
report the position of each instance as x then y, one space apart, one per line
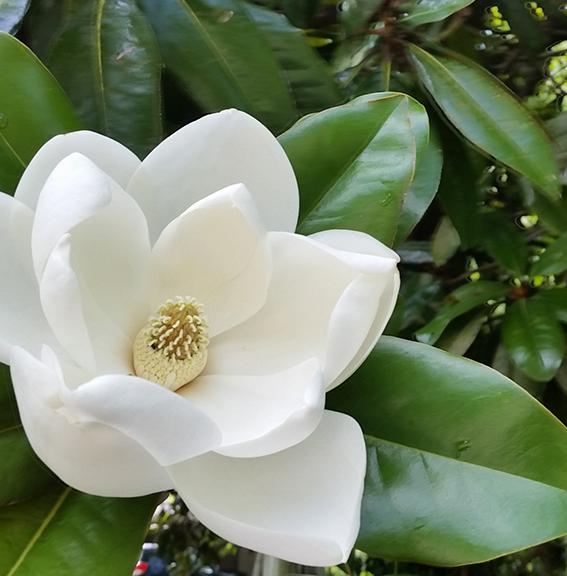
33 108
355 163
113 80
449 439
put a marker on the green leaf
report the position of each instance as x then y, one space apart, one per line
556 301
423 188
528 30
462 333
458 190
22 473
300 12
12 13
354 14
67 533
533 338
445 242
44 21
355 163
554 259
504 242
208 46
425 11
308 78
463 465
553 214
489 115
112 78
33 108
462 300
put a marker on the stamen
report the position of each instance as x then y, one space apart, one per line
171 349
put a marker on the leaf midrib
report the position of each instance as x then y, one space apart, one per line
214 48
40 530
373 439
434 62
348 161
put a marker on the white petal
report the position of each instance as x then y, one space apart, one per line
357 242
301 504
62 304
93 458
167 425
101 269
351 244
110 156
216 151
259 415
321 303
22 321
73 192
216 252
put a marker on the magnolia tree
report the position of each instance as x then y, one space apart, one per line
201 227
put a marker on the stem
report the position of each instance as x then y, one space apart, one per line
386 72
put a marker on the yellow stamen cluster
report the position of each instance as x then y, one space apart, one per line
171 349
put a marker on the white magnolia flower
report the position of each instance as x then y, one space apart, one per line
184 269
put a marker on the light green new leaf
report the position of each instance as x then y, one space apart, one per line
11 14
554 259
355 163
533 338
208 46
67 533
112 77
33 108
23 475
489 115
463 464
425 11
462 300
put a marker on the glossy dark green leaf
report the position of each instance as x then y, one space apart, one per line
23 475
529 31
463 465
300 12
552 213
12 13
107 60
43 23
209 45
308 77
445 242
556 300
355 163
504 242
554 259
459 190
423 188
533 338
354 14
462 333
426 11
33 108
490 116
462 300
67 533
